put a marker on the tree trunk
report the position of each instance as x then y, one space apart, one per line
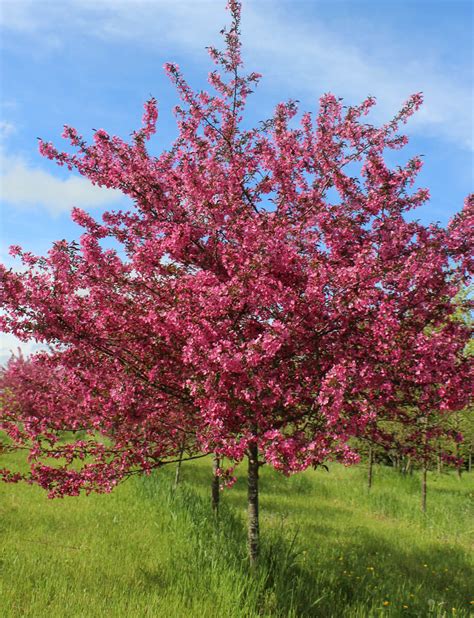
253 527
423 487
177 476
370 470
408 466
469 461
403 466
440 464
215 489
458 464
424 474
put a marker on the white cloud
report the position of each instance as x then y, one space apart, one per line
9 344
22 185
6 129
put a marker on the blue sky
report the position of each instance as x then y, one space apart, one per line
92 65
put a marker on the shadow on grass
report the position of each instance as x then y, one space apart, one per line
216 557
329 575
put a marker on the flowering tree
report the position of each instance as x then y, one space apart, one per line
71 409
411 435
415 437
273 299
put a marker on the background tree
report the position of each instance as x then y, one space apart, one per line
85 426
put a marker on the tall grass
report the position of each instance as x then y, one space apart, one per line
329 548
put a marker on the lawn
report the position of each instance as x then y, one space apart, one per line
329 548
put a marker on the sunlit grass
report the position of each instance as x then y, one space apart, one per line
329 548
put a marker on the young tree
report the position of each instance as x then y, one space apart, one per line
87 426
415 437
274 322
466 422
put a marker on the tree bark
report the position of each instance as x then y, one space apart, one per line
370 470
469 460
252 510
177 476
215 489
424 474
403 466
424 486
408 466
458 464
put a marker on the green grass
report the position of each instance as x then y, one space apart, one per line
328 548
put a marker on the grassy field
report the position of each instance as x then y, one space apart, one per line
329 548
